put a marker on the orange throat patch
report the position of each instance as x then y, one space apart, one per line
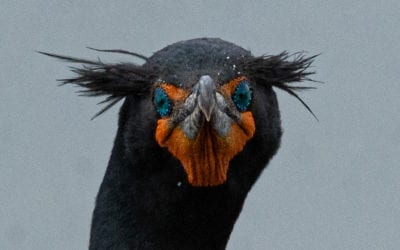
206 158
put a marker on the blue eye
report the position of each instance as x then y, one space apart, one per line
242 96
162 102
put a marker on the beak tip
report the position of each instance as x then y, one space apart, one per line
206 112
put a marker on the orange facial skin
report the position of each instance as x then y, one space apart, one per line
228 89
176 94
206 158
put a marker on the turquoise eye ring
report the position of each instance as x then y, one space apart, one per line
242 96
162 102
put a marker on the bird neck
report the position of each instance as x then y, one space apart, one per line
146 203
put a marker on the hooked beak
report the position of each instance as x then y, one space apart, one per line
206 96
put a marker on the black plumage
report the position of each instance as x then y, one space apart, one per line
147 199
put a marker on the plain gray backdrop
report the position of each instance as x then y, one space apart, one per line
334 184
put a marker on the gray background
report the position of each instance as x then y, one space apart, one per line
333 185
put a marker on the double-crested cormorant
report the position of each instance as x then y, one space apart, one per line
199 123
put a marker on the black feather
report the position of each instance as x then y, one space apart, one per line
279 71
121 52
115 81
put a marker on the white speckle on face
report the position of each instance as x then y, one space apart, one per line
227 58
179 184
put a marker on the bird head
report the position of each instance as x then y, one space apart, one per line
210 100
203 104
